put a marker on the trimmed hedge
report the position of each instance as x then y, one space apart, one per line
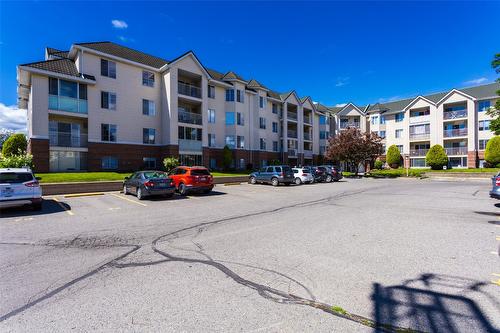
492 152
393 157
436 157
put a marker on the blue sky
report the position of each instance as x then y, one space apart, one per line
334 51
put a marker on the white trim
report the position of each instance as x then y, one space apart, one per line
415 100
354 106
54 74
79 149
453 91
67 113
223 84
39 137
193 56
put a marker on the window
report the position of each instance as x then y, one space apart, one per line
68 89
322 150
229 118
275 127
418 163
149 162
381 134
148 135
484 125
82 91
484 106
211 116
400 117
211 140
53 86
382 120
148 79
240 96
109 163
275 145
213 163
189 133
482 144
400 148
229 95
108 68
374 120
262 123
211 91
240 120
322 120
108 132
399 133
240 142
261 102
148 107
108 100
230 141
262 144
323 135
275 108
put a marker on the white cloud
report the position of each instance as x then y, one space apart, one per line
341 105
342 81
476 81
126 39
119 24
12 118
390 99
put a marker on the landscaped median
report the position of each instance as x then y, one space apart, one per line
90 182
424 173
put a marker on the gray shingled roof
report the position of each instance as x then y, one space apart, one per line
58 53
126 53
61 66
233 76
254 84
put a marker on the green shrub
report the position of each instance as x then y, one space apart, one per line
436 157
16 161
16 144
227 158
393 158
492 152
170 163
379 165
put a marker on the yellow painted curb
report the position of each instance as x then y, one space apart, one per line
230 184
83 194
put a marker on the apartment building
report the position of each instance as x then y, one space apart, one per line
102 106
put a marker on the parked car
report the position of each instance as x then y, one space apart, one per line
318 174
192 179
148 183
303 175
495 191
19 187
332 173
274 175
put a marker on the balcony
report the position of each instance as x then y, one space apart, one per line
450 115
189 145
307 136
308 154
68 104
189 117
292 152
308 120
66 139
291 116
344 125
188 90
450 133
456 151
420 119
418 152
420 136
292 134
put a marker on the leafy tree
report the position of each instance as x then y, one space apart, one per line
354 147
379 165
393 158
16 144
436 157
227 157
16 161
492 152
494 112
170 163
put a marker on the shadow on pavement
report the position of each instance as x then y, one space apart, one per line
49 206
415 304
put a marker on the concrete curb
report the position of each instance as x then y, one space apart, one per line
459 175
111 186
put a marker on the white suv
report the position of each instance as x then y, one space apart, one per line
18 187
303 175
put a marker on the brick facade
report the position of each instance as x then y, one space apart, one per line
473 159
39 148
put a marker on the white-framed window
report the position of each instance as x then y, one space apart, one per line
275 127
382 120
484 125
211 140
381 134
400 117
211 116
482 144
323 135
275 145
262 122
229 95
211 91
240 119
108 68
149 162
230 118
262 142
275 108
262 102
484 106
108 132
148 107
148 79
400 148
148 135
108 100
374 120
240 96
240 142
109 163
399 133
230 141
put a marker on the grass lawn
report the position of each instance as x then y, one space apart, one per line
64 177
401 172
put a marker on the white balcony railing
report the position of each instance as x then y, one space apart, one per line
188 90
456 151
67 139
420 119
418 152
455 114
420 136
449 133
344 125
68 104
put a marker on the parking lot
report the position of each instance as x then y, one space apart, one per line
343 256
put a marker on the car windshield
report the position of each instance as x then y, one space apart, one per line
15 177
155 175
200 172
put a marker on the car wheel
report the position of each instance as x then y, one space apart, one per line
298 181
274 182
328 178
252 181
37 206
125 191
182 189
140 195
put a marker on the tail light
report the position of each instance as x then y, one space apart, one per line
32 183
149 184
282 174
172 184
497 181
305 174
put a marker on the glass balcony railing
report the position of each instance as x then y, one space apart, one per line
308 154
449 133
292 134
189 117
291 116
456 151
190 145
307 136
418 152
307 120
188 90
292 152
455 114
68 104
420 136
66 139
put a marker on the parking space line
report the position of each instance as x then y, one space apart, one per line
129 200
76 195
497 282
495 274
63 207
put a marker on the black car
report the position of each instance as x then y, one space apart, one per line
332 173
148 183
318 174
